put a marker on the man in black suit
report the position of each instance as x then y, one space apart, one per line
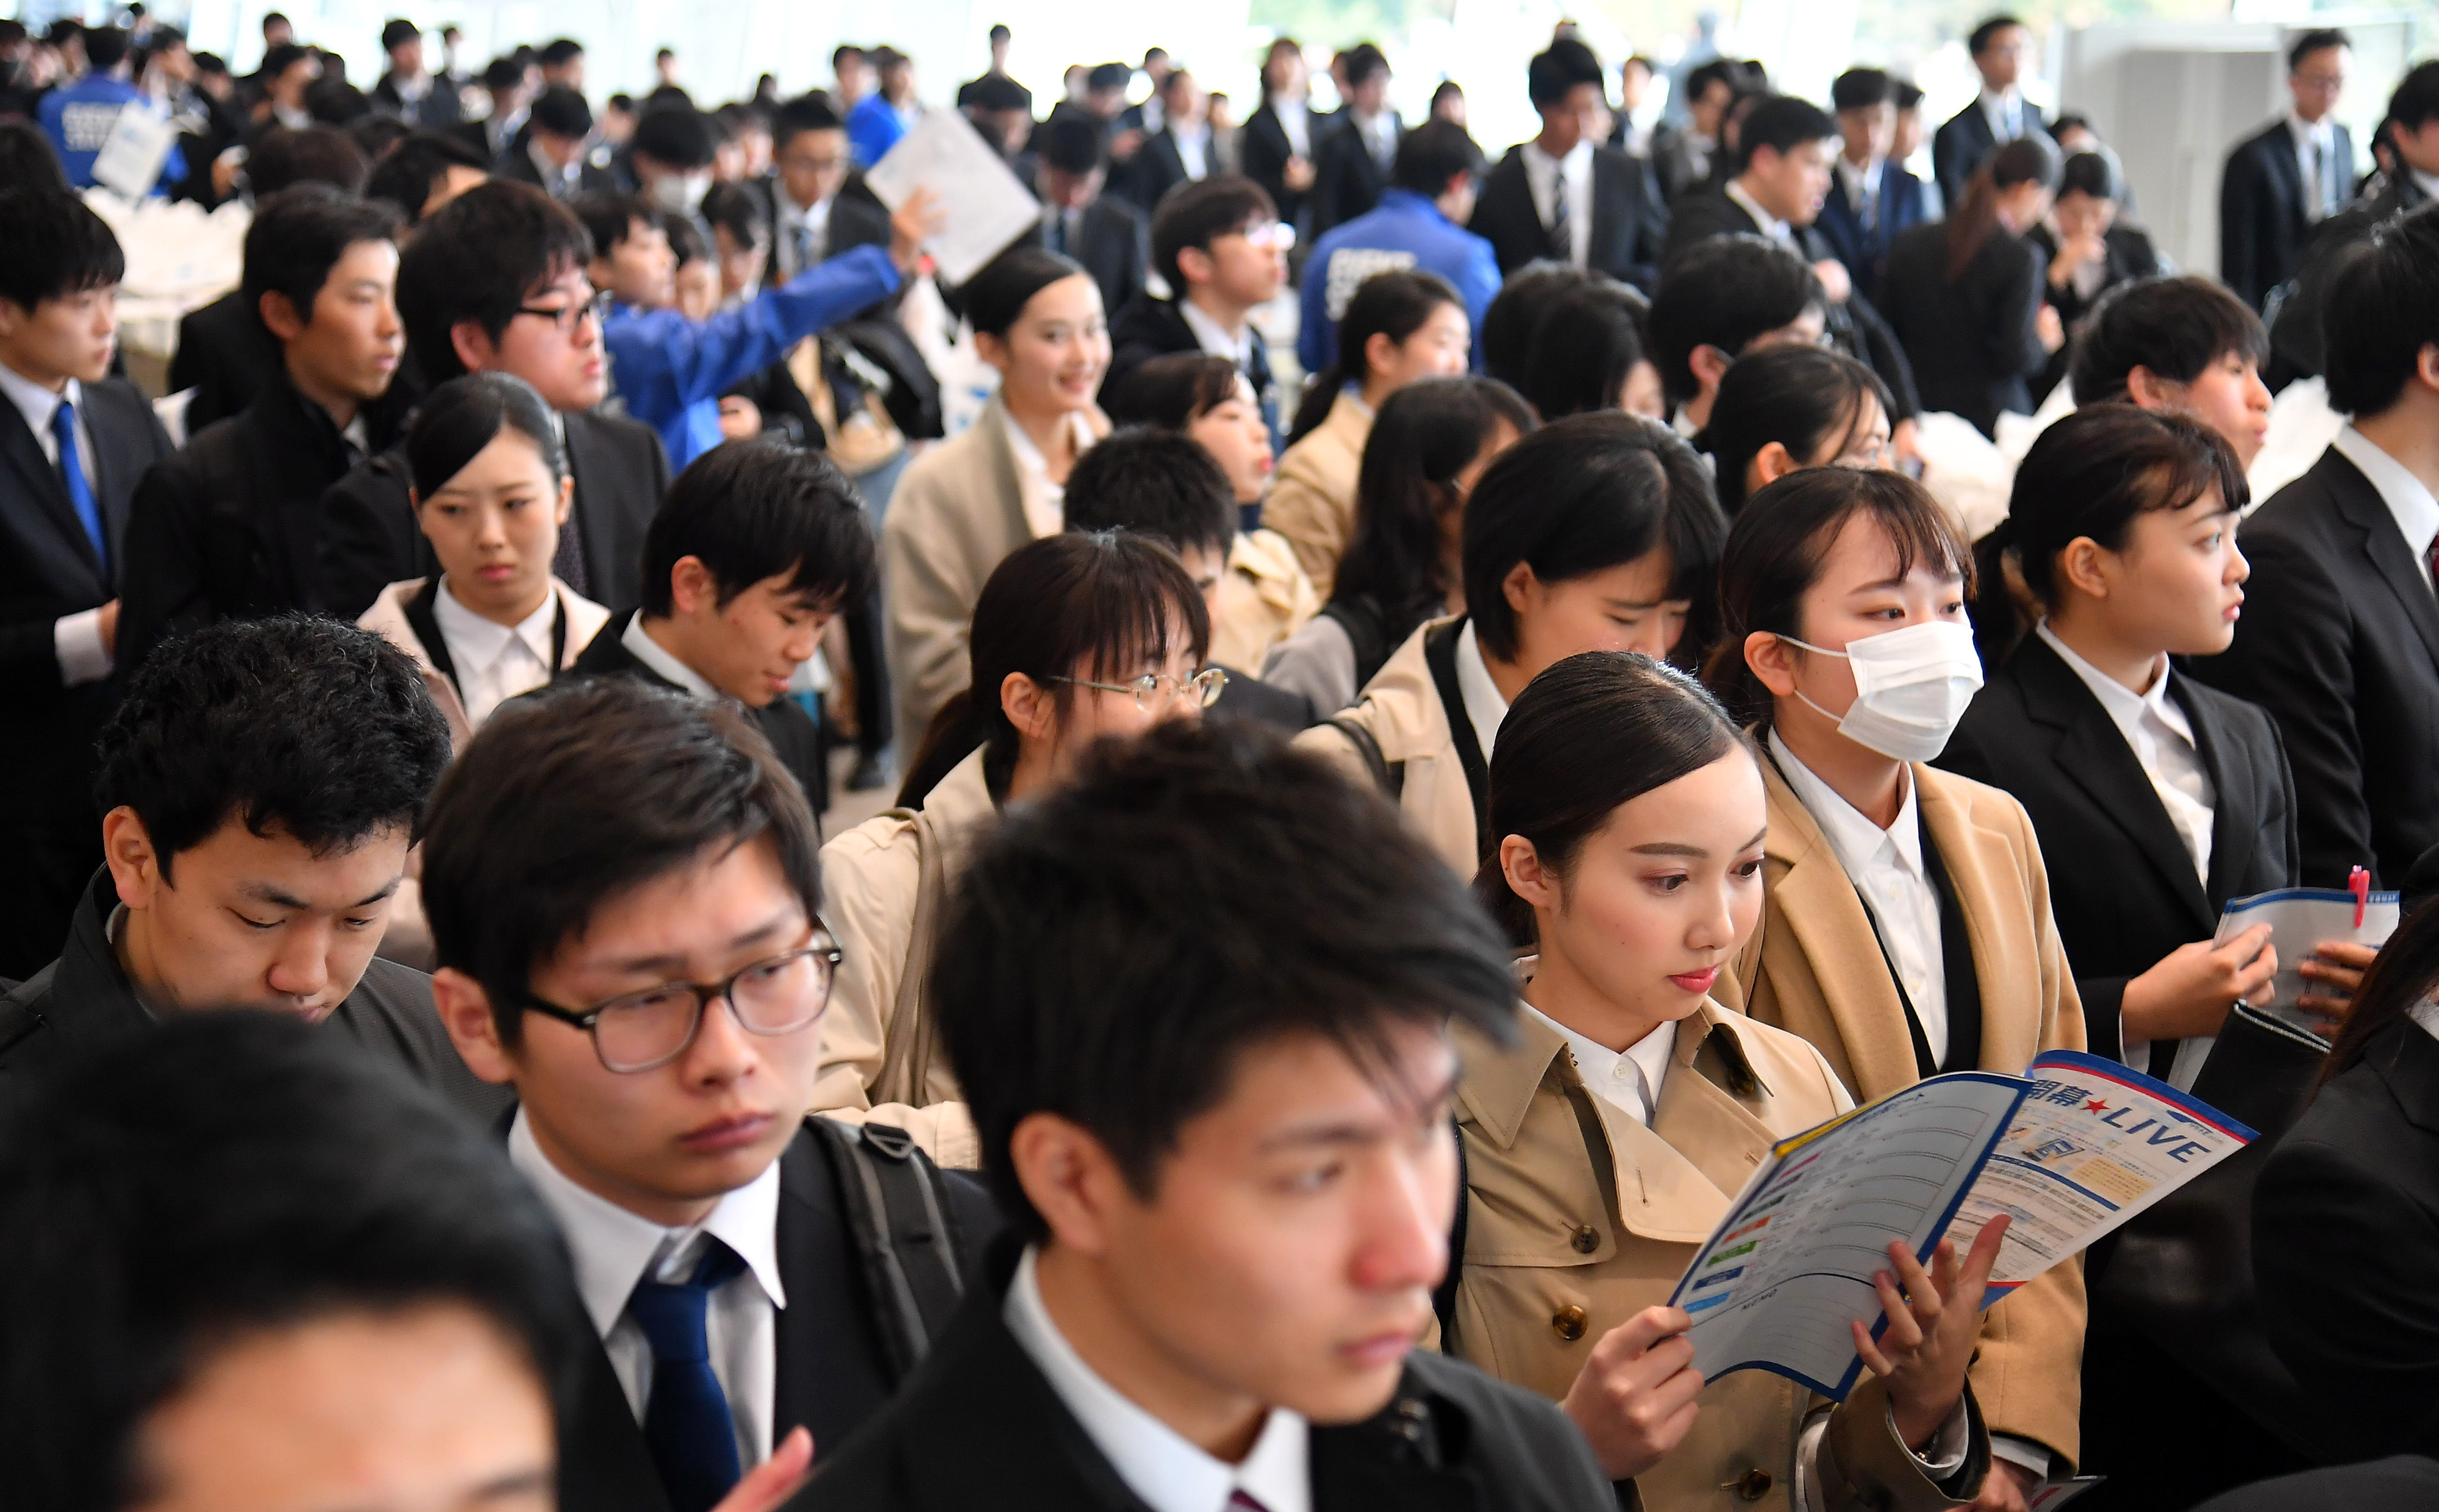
1359 147
2290 177
495 283
601 841
818 209
503 80
1110 237
261 784
1786 149
2002 47
556 152
1564 197
228 526
1278 140
1216 246
1180 152
63 523
407 89
756 548
1248 1203
2339 638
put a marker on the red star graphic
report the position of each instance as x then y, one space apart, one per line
2096 1106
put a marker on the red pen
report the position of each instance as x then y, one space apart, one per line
2359 883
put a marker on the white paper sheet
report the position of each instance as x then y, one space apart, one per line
132 156
986 209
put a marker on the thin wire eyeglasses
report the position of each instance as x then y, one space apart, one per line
1155 691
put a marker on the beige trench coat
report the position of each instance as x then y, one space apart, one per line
1312 503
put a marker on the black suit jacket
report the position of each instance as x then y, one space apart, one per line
1347 179
83 998
2264 225
2339 642
832 1366
1960 145
369 539
784 722
2124 890
1113 242
230 526
438 110
2295 340
856 220
227 356
591 178
1158 167
2402 1483
1149 328
2345 1235
1855 327
1630 224
1265 150
49 570
1972 343
977 1425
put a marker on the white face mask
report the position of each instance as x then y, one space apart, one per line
1911 688
679 193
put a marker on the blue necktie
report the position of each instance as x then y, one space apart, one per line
80 490
686 1422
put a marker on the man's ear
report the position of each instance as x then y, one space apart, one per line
1071 1179
465 1011
1195 264
1710 364
13 314
2148 389
473 345
127 848
2426 365
692 588
279 316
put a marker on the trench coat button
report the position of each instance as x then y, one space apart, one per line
1568 1323
1753 1484
1585 1240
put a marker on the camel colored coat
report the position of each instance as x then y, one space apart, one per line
1263 598
1402 708
1815 967
1312 503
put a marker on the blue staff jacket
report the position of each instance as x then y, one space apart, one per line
1404 230
77 118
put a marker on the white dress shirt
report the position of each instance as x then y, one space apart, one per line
1215 339
2163 741
2407 499
1628 1080
1571 175
2325 180
1158 1463
1295 121
1379 134
2004 111
1771 225
1486 707
612 1250
797 223
1193 150
656 656
1863 186
1886 868
76 639
1045 500
494 661
2428 182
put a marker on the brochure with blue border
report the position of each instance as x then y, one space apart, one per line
2069 1150
2300 918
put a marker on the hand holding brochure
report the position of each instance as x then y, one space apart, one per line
2300 918
2069 1150
985 207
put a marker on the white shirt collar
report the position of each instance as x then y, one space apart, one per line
476 643
1860 180
2416 511
2428 182
1486 707
2000 105
1772 226
2323 131
1576 160
2125 706
1044 502
37 403
1628 1080
613 1249
652 654
1211 337
1855 838
1157 1463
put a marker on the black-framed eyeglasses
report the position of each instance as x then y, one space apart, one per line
641 1031
1154 691
566 317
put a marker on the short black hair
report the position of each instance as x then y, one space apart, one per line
56 246
1718 71
1111 955
504 73
752 510
275 18
299 234
561 52
609 219
28 160
1072 145
376 134
806 113
479 257
2092 173
308 727
1108 76
105 47
1723 292
1907 94
1558 71
2175 326
563 112
1431 154
414 166
1158 483
2381 310
1505 339
1584 494
2314 40
997 92
278 59
999 33
1860 89
568 797
679 136
1588 343
2416 98
737 210
1781 123
170 1193
397 32
319 154
1195 215
1978 42
335 102
1365 59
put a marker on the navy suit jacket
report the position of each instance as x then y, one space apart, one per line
1865 250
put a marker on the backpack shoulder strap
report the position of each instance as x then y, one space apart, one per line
906 1231
1390 778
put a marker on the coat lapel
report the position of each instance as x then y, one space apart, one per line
1608 195
2360 503
2235 828
1981 866
44 513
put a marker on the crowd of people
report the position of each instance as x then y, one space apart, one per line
1385 836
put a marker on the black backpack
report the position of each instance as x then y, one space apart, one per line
912 1250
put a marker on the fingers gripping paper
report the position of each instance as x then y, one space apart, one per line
2069 1150
984 207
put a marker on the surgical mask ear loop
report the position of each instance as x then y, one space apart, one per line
1834 719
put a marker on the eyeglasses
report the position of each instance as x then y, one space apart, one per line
596 309
1878 454
640 1031
1155 691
